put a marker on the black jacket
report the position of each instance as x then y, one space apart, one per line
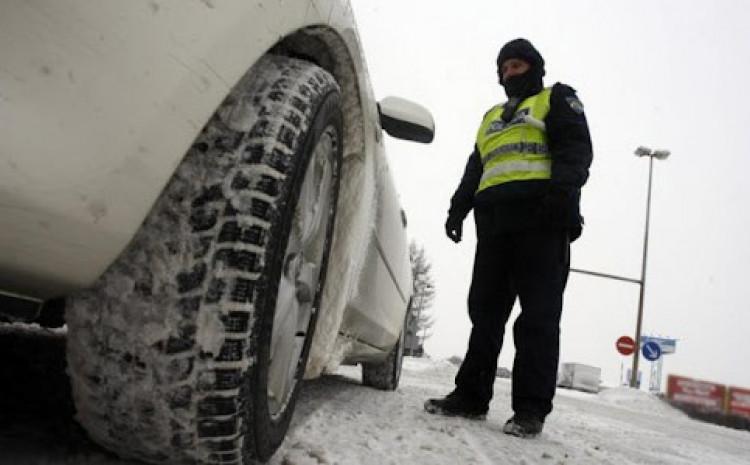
538 204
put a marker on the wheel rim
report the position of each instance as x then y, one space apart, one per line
300 277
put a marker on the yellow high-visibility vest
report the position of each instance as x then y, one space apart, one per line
517 150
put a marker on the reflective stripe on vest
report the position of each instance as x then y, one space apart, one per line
517 150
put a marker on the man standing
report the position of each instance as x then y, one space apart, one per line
523 180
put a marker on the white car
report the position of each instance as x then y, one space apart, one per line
201 185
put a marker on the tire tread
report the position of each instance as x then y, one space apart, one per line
217 213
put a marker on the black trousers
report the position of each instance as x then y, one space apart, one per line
532 266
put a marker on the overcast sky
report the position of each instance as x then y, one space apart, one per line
663 74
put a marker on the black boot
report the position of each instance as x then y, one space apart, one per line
524 425
455 405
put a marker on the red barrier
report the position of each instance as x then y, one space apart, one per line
739 401
703 394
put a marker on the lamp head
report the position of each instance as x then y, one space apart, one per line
661 154
642 151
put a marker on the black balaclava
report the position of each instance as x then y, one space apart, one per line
517 88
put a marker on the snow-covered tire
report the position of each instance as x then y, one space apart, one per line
386 374
190 347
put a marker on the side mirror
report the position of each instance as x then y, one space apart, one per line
407 120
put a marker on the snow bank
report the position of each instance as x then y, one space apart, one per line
639 401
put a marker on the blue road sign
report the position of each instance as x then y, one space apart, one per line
651 351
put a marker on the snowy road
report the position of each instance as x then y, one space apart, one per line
340 422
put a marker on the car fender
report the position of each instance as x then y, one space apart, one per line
99 103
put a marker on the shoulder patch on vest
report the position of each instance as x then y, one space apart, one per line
575 104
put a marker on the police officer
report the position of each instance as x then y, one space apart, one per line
523 181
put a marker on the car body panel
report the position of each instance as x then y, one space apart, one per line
99 101
378 299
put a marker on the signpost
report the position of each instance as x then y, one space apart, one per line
651 351
625 345
652 348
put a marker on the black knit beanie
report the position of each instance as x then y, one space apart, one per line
522 48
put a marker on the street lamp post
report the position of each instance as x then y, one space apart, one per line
659 155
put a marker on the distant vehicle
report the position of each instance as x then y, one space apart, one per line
580 377
202 187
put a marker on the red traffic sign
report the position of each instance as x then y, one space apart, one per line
625 345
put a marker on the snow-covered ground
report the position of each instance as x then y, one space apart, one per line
338 421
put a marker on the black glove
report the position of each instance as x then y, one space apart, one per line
555 207
453 227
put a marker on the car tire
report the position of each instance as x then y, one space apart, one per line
192 345
385 375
